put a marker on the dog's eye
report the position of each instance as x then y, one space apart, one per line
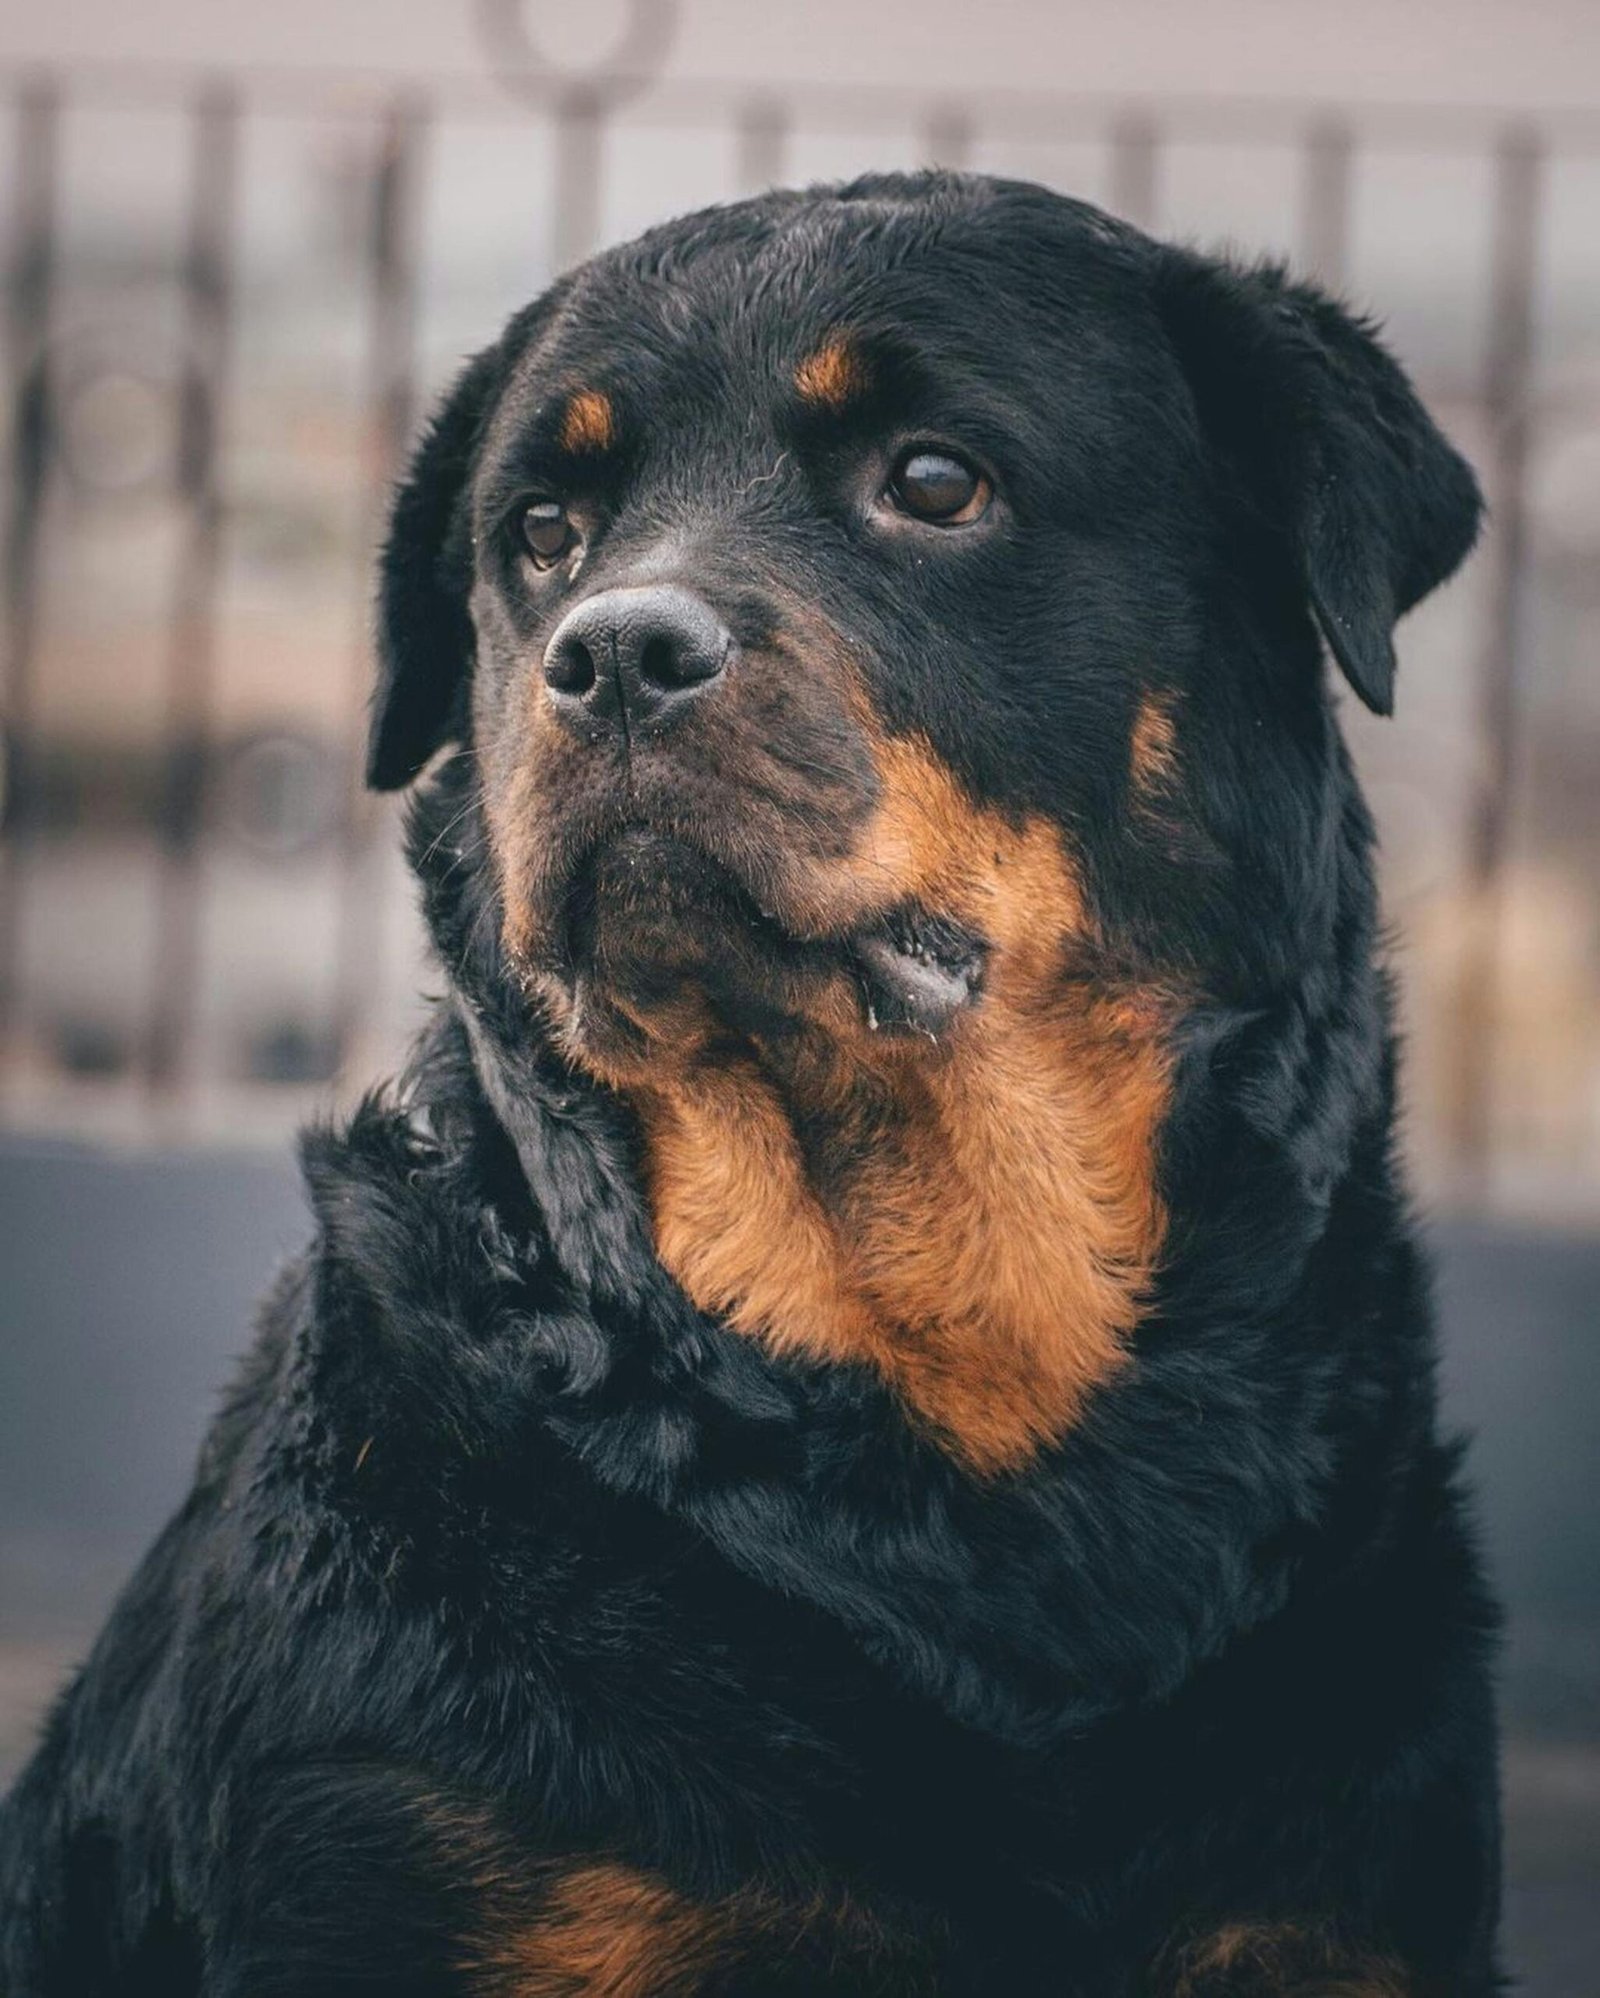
547 531
931 485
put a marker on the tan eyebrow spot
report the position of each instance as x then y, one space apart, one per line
590 423
832 376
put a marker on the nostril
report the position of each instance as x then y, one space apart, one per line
671 660
659 663
569 667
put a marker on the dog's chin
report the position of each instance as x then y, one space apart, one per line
656 945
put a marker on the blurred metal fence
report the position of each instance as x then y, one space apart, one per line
120 1039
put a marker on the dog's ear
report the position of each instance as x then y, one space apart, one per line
1328 436
425 638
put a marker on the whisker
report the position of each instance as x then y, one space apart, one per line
445 831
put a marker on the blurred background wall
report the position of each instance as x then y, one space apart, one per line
244 247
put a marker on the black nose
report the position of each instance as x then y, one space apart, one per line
633 658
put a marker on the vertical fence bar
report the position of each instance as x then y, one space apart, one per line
583 100
1325 201
191 665
30 292
1508 403
948 137
1134 162
391 275
575 225
761 144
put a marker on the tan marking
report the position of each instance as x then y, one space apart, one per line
1282 1960
1153 752
605 1931
989 1250
833 376
596 1928
590 423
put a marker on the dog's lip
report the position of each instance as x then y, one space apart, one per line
914 969
575 899
918 970
642 841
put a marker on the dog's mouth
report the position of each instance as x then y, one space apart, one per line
918 970
645 914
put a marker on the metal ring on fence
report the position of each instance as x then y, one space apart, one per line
630 66
112 421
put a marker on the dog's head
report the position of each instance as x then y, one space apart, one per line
884 630
846 594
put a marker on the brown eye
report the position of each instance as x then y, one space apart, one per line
547 531
931 485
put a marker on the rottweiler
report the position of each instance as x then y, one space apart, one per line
861 1419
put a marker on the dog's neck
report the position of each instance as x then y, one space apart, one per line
993 1595
975 1219
978 1219
990 1594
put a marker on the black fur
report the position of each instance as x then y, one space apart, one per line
497 1530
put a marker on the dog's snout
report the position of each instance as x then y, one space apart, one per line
635 656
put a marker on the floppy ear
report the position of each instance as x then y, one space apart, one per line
425 638
1328 435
